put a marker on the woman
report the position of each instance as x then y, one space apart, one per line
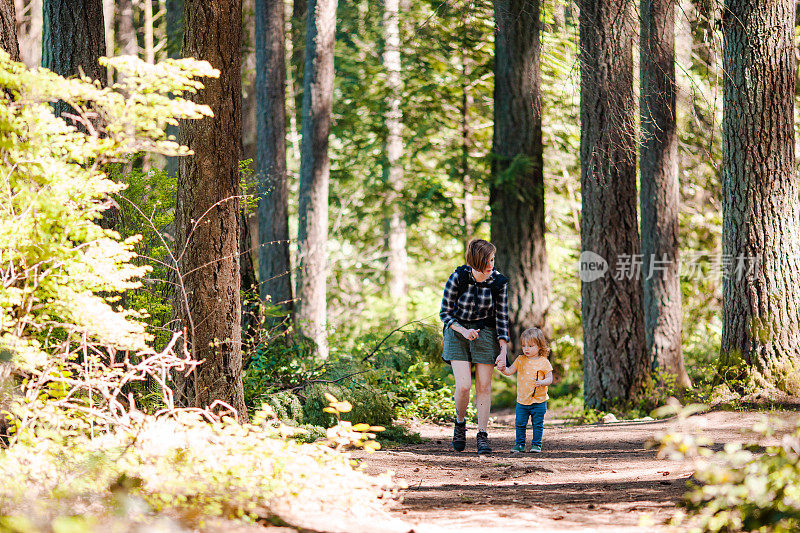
475 315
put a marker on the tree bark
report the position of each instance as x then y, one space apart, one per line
314 171
73 38
8 29
468 209
615 360
663 315
396 231
108 29
274 269
298 31
29 33
149 45
517 201
207 210
761 194
126 29
174 28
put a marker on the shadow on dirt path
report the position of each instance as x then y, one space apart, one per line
588 478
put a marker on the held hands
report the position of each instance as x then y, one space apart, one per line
500 362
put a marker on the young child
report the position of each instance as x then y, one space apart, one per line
534 374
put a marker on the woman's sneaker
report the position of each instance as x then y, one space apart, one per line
536 449
518 448
483 443
460 436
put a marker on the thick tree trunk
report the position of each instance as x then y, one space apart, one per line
761 204
517 202
615 360
663 315
274 269
8 29
396 232
207 211
314 172
73 38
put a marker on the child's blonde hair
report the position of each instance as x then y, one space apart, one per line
535 336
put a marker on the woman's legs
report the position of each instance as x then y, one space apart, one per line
483 393
463 377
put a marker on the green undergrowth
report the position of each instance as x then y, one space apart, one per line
752 485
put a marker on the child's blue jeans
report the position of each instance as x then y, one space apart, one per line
535 412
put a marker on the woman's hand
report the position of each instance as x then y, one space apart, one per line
469 334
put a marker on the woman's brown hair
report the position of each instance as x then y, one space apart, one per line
479 252
535 336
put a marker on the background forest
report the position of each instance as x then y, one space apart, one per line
446 106
343 156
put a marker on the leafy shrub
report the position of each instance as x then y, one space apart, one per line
744 487
370 406
287 407
63 273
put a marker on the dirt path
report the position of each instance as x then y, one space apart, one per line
589 478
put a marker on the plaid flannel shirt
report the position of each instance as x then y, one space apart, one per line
475 304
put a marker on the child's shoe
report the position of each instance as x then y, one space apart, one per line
460 436
518 448
483 443
536 449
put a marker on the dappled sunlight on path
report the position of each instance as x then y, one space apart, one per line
589 478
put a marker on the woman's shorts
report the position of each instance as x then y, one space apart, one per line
484 349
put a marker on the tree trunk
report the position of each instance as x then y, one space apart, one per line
517 193
761 194
274 269
149 45
468 209
126 29
73 38
663 315
312 231
108 29
207 210
8 29
174 27
396 234
29 33
615 360
298 30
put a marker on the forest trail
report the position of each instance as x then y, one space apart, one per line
598 477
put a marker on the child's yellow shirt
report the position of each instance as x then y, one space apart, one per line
529 369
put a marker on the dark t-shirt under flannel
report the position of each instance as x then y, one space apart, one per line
475 304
